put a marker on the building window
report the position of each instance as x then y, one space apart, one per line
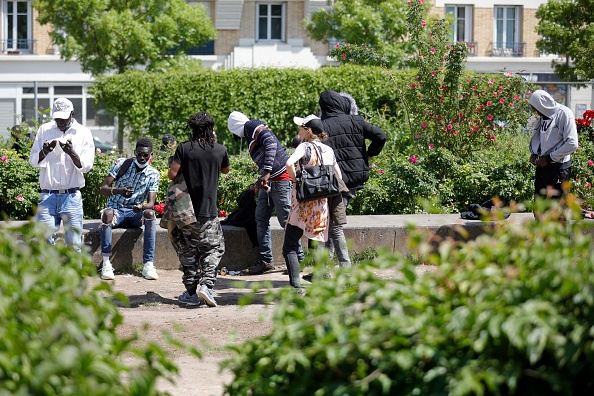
507 27
17 26
271 22
207 48
462 22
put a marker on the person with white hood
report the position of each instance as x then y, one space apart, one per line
554 139
274 183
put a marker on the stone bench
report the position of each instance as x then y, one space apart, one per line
363 232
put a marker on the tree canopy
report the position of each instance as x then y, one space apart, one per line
377 24
567 28
116 35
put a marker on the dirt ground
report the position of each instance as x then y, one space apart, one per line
154 309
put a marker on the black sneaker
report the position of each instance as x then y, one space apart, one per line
258 269
308 277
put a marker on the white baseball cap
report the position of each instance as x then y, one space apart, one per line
62 108
305 120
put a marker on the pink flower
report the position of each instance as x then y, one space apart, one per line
423 23
502 101
337 45
516 97
588 185
20 198
455 133
489 103
150 160
413 86
423 124
490 117
431 146
4 158
590 163
412 159
97 150
433 50
450 127
343 56
380 172
433 73
492 138
417 136
421 1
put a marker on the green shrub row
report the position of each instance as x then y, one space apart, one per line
437 182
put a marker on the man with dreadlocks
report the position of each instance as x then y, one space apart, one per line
134 182
201 243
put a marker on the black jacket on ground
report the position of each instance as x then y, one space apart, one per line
347 134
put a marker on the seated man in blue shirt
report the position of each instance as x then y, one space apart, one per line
134 182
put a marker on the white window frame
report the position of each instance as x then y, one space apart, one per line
504 34
10 46
453 10
269 20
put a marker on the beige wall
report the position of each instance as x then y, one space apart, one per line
43 42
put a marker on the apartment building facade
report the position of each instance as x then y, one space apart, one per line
255 34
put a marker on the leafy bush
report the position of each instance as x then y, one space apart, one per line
510 313
58 334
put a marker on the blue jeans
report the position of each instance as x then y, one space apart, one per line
55 208
279 199
127 218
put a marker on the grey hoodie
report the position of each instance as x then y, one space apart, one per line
555 134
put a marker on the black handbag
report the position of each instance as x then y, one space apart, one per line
316 181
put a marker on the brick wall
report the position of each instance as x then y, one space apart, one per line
43 42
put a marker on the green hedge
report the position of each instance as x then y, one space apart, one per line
438 182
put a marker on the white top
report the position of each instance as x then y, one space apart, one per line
57 169
327 154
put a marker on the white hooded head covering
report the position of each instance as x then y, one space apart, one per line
236 123
544 103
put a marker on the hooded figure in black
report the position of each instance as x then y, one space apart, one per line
347 135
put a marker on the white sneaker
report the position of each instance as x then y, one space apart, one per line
149 271
107 270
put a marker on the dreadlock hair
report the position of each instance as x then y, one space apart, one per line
202 126
145 142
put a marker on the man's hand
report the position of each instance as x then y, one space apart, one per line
68 148
139 207
542 161
533 159
48 147
124 191
263 180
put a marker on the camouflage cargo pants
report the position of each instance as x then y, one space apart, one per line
199 247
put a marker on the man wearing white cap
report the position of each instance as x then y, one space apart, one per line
64 151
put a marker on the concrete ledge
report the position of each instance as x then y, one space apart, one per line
363 232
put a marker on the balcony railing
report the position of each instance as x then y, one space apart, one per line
17 46
508 49
472 48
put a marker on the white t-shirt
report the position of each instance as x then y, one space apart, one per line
327 154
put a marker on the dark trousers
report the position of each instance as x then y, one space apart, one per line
548 181
291 248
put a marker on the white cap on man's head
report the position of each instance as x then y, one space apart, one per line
305 120
62 108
